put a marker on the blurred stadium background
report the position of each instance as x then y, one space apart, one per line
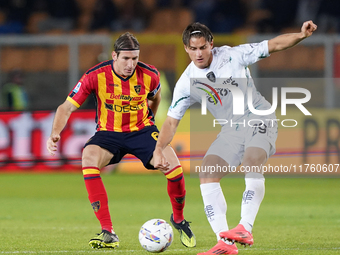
54 42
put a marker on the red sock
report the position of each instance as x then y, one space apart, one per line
176 191
98 196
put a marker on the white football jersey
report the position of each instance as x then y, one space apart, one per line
229 66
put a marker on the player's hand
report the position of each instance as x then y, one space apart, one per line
51 144
308 28
159 160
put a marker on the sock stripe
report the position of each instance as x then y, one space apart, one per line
91 170
177 179
175 172
90 177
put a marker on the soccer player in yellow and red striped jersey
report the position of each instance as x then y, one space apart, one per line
128 94
121 101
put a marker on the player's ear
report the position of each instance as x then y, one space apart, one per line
114 55
186 48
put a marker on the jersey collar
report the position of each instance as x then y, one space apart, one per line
121 77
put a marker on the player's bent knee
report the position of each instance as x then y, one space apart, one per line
253 161
207 179
209 176
171 156
255 158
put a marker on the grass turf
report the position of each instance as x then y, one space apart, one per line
50 214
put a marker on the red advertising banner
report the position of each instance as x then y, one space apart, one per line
23 137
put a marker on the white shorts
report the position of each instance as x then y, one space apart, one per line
231 143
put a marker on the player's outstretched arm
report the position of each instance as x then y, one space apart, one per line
60 119
286 41
165 136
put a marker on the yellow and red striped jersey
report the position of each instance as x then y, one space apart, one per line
122 104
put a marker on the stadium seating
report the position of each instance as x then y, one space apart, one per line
299 57
170 20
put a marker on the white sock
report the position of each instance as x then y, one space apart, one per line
252 198
215 207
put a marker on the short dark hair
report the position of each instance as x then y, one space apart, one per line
126 41
198 30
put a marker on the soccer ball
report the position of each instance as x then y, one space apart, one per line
156 235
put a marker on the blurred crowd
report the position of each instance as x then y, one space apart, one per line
222 16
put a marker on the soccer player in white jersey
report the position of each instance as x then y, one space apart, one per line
247 145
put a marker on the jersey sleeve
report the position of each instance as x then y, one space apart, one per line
248 54
181 98
81 91
155 85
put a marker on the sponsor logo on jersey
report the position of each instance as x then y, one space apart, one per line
212 94
230 81
215 94
125 97
124 108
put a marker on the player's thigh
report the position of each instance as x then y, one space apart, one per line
95 156
225 152
260 143
229 147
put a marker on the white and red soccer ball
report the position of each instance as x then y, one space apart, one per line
156 235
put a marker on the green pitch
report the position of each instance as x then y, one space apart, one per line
50 214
